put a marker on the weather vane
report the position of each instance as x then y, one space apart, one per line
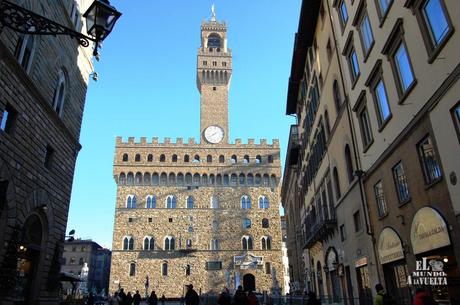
213 13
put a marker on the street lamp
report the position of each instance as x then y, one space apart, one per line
100 20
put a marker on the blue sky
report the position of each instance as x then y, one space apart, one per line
147 87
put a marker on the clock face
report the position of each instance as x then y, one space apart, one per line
214 134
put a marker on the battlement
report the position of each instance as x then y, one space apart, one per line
179 142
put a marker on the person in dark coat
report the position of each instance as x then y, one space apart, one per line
240 297
191 297
252 299
224 297
153 299
129 299
137 298
312 300
122 296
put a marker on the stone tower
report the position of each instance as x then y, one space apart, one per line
202 212
214 70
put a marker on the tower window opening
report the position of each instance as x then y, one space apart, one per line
214 88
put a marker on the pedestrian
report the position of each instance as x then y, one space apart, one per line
163 299
122 296
240 297
191 297
137 298
115 299
423 298
90 300
129 299
252 299
382 298
153 299
312 300
224 297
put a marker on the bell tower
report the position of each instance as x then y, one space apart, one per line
214 71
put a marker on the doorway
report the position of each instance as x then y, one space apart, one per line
249 282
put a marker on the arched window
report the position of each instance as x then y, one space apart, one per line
212 179
155 179
246 159
171 202
164 269
132 269
214 202
122 179
258 180
258 159
233 180
189 202
187 270
149 243
137 158
263 202
138 179
221 159
25 50
128 243
265 223
204 179
174 158
196 179
214 244
214 41
163 179
266 180
209 159
247 242
246 223
186 158
125 157
250 180
188 179
170 243
150 158
270 159
215 225
131 202
266 243
245 202
147 179
151 202
349 163
162 158
172 179
335 175
59 94
130 179
336 94
233 159
226 180
273 180
219 179
242 179
196 159
180 179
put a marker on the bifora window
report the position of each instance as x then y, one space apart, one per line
128 243
131 202
245 202
266 243
151 202
263 202
149 243
189 202
171 202
170 243
247 243
428 160
380 199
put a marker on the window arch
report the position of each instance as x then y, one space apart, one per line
336 94
151 202
233 180
162 158
258 159
265 223
246 159
25 50
214 244
214 202
180 179
170 243
266 243
189 202
335 175
59 93
131 201
155 179
188 179
196 159
263 202
187 270
150 158
214 41
250 180
196 179
164 269
212 179
171 202
122 179
172 179
273 180
204 179
246 223
266 180
186 158
138 179
137 158
132 269
247 242
215 225
233 159
221 159
258 180
349 163
242 179
125 157
174 158
149 243
147 179
209 159
128 243
163 179
270 159
245 202
130 178
226 180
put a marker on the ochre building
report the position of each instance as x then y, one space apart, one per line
205 212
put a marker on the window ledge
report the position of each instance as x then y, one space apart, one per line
366 55
384 123
433 183
355 81
368 145
405 202
434 52
404 96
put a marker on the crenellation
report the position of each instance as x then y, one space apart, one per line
191 141
167 141
179 141
238 141
250 141
131 140
155 140
263 142
143 140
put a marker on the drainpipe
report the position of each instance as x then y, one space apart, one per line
359 172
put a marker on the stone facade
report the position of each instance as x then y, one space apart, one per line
39 143
194 195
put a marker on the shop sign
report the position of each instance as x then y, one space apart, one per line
429 231
389 246
428 272
361 262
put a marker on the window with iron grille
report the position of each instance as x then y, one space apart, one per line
428 160
380 199
402 186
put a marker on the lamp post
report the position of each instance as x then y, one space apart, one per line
100 20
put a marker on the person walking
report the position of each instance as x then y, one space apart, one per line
153 299
191 297
252 299
137 298
423 298
312 300
115 299
240 297
224 297
163 299
122 296
129 299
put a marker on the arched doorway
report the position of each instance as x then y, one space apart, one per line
319 276
249 282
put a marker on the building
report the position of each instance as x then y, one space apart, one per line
87 253
322 187
43 83
398 70
202 212
285 258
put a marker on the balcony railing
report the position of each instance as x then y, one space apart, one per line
319 228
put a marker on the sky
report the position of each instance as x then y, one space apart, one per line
147 87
